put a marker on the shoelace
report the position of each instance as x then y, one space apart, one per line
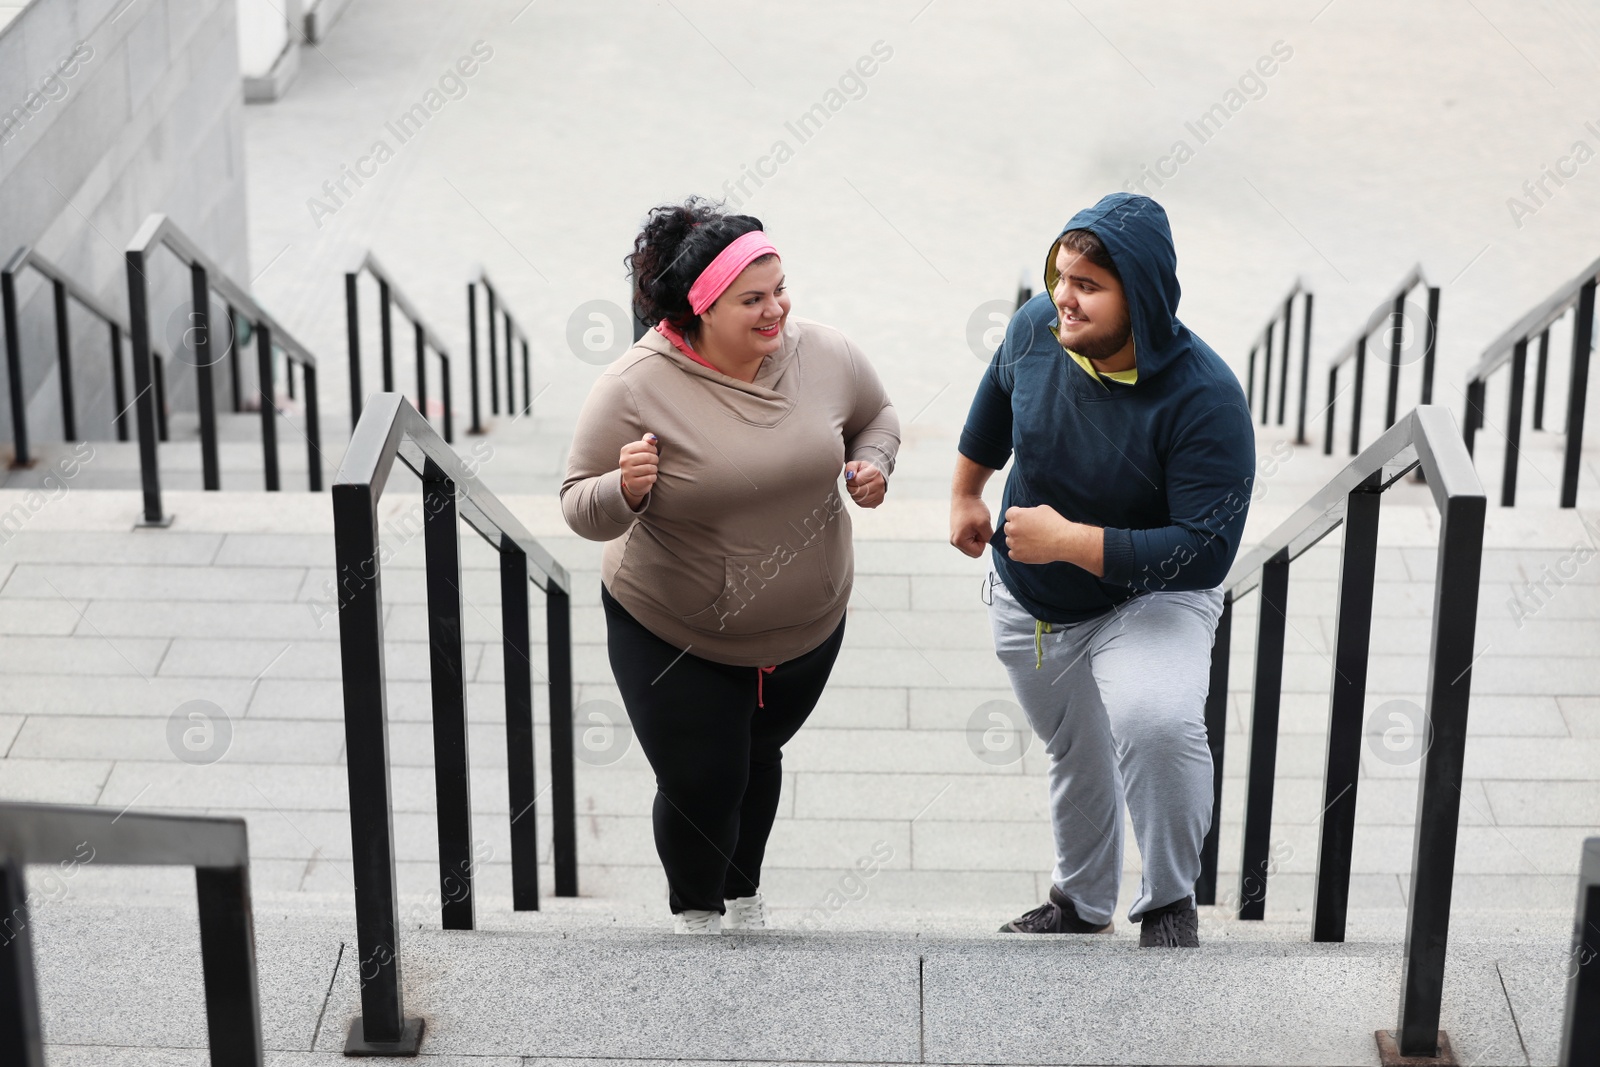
752 913
1170 929
698 922
1048 910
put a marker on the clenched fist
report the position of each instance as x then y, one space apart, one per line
865 483
1035 535
639 462
970 528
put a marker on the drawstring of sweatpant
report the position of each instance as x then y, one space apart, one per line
759 672
1040 627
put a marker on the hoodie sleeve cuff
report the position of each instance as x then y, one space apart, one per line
614 504
1117 555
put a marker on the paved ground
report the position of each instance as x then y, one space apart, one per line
1390 136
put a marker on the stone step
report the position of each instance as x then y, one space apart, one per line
562 988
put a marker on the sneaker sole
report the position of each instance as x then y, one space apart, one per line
1108 928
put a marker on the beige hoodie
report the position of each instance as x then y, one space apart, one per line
741 552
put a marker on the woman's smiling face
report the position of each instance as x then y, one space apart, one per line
746 322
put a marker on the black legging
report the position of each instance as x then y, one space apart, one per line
717 756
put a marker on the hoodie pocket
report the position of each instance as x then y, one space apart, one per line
770 591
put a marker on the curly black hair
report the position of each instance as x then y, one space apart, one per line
677 243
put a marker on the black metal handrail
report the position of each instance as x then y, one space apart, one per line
1393 312
1425 437
513 332
64 287
389 428
218 850
205 276
1512 347
1263 344
390 295
1580 1035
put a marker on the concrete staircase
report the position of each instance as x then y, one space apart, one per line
110 630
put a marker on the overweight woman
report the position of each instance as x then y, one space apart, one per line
710 459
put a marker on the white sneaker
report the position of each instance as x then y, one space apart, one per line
747 913
697 922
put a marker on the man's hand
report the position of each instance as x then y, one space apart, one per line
639 463
865 483
1036 535
970 529
1041 535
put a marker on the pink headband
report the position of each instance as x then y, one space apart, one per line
716 278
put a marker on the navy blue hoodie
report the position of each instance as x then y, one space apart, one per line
1165 465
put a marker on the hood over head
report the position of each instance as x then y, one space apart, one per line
1134 230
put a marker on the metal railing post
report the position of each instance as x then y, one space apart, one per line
235 387
494 359
1455 614
228 964
1346 704
1580 1036
269 407
1541 369
520 774
199 337
386 333
472 356
1519 374
1205 888
447 672
1430 345
21 1043
563 802
1472 418
445 388
511 356
527 380
1268 696
19 407
313 428
421 341
1249 383
1305 372
1329 413
69 411
1360 360
160 367
1283 375
144 382
1266 376
1397 325
352 333
119 385
1582 343
382 1023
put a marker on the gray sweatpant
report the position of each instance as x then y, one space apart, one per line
1119 702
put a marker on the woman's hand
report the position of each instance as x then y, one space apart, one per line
639 462
865 483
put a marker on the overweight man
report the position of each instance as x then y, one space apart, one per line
1133 457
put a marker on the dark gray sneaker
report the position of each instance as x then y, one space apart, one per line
1174 925
1055 916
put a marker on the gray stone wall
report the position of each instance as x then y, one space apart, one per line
111 110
